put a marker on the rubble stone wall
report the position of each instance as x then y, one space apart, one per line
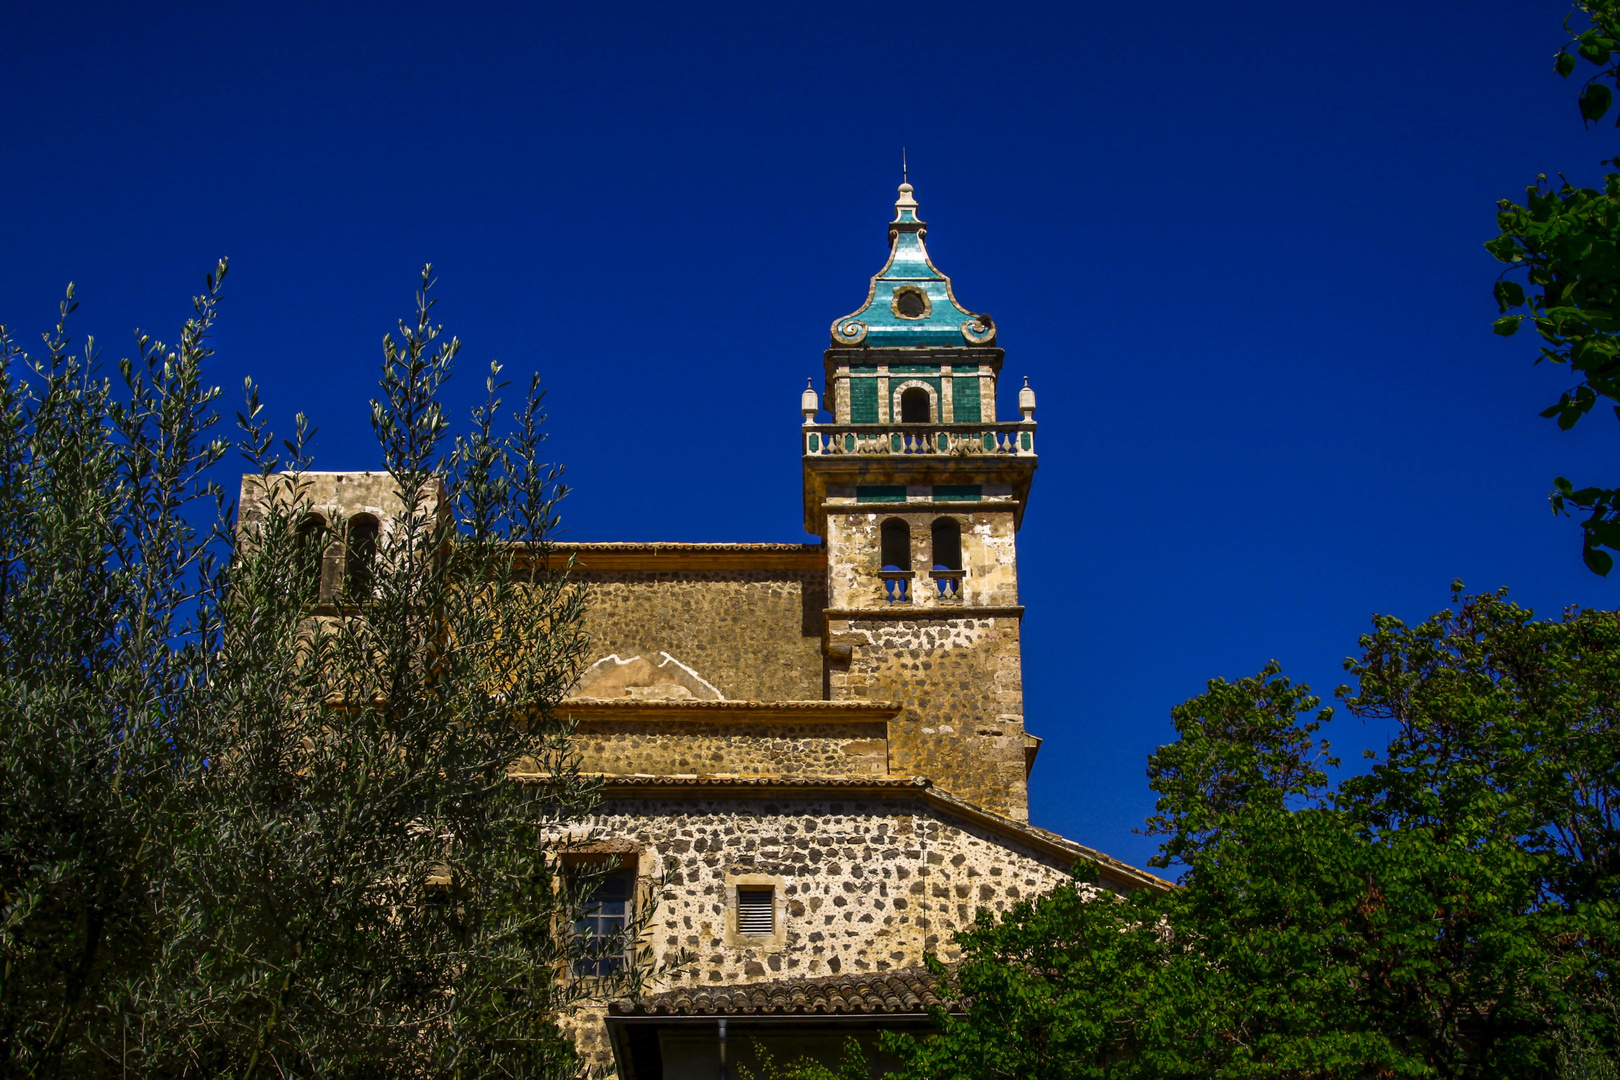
737 748
961 682
863 885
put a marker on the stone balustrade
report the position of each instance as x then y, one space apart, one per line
964 440
948 583
896 585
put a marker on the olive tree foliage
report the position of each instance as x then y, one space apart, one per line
109 618
288 836
1562 250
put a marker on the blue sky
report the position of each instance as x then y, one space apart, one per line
1236 247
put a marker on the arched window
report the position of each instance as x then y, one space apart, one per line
915 408
362 554
896 537
946 535
311 550
895 543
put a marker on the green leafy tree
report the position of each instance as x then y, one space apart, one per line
261 823
1450 914
1562 250
108 618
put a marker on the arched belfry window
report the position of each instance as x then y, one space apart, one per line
946 537
895 544
311 553
362 556
915 408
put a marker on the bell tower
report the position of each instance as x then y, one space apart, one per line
918 492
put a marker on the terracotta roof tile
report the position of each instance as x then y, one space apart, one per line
637 780
678 545
911 991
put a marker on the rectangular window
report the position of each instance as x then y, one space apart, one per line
886 493
603 924
863 401
965 400
956 492
756 909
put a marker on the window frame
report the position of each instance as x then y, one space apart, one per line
774 941
611 870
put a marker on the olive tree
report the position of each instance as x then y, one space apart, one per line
256 824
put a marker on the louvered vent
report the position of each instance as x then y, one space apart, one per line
754 911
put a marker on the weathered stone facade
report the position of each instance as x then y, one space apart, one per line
333 498
868 882
746 617
961 684
868 879
682 738
989 553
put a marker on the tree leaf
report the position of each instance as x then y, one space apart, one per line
1599 562
1563 63
1595 101
1506 326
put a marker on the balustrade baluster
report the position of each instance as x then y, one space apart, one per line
948 583
954 439
896 585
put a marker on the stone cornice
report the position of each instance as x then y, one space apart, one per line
588 709
663 557
824 471
922 506
926 612
1049 842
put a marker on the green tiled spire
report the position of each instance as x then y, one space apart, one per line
910 302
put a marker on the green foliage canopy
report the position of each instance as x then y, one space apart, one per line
1455 912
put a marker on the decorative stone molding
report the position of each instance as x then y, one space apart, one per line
897 304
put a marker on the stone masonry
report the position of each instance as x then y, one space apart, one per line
866 883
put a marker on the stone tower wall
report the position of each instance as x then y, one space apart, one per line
961 685
334 495
854 546
955 665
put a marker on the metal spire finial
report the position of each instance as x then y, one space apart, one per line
904 179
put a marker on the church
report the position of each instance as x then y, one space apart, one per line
814 758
